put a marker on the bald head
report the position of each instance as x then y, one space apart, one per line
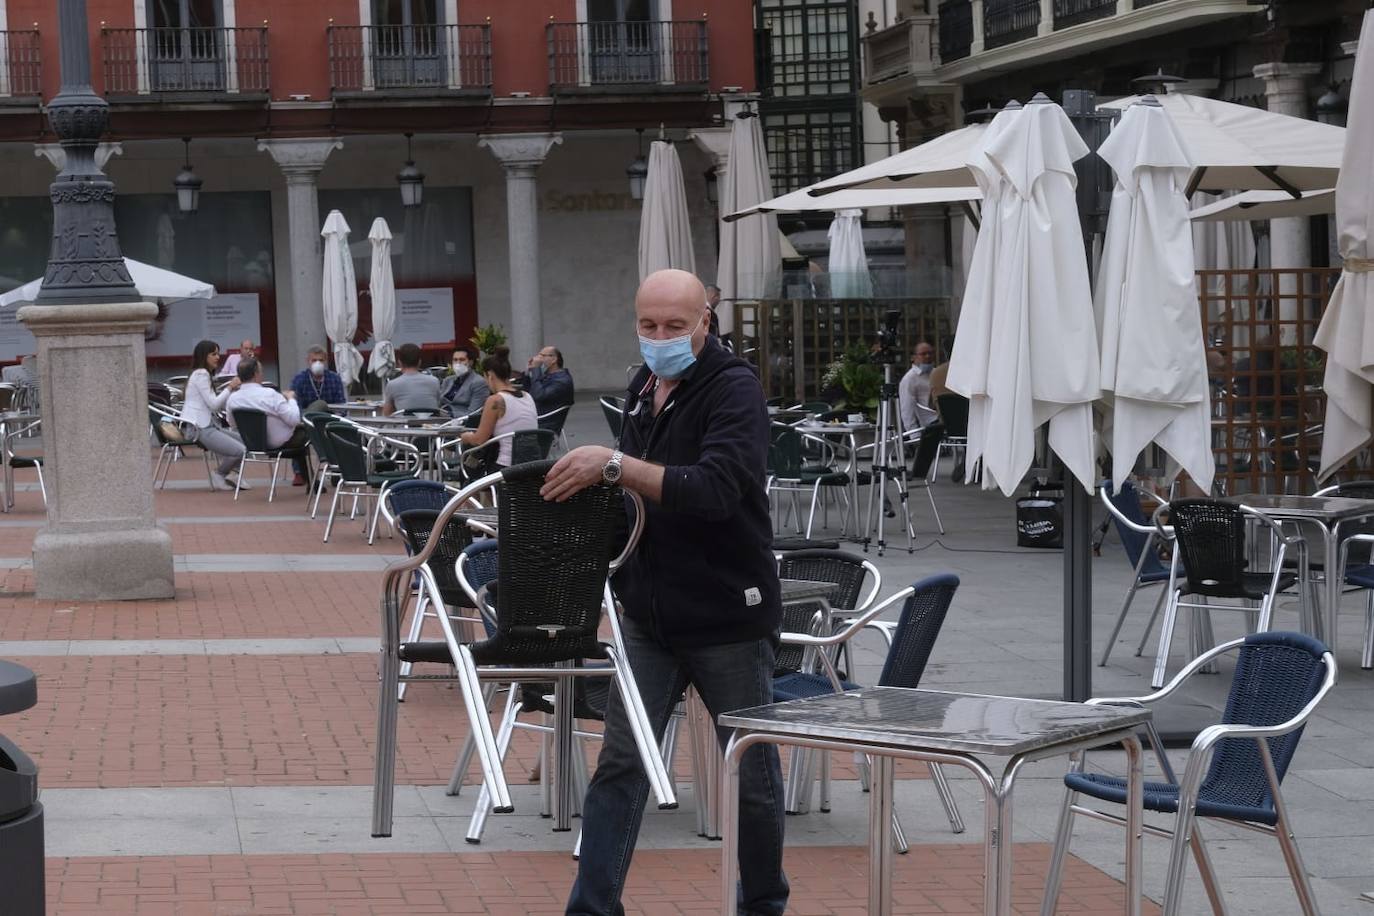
671 303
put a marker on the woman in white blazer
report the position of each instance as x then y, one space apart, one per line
198 411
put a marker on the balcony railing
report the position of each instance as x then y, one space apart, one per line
409 59
21 70
185 61
1007 21
1075 12
956 29
628 55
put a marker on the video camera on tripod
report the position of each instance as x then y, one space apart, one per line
888 351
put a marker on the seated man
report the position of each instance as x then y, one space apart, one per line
412 389
317 385
550 384
231 362
913 392
284 429
465 390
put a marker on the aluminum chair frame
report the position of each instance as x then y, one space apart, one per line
362 488
272 456
1152 537
396 587
560 436
26 429
324 468
794 485
1367 653
169 448
1185 835
1202 626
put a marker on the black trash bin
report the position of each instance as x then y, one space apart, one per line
21 816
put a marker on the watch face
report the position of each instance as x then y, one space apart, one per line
611 472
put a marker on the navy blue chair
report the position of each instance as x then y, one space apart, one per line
1141 540
1233 770
910 640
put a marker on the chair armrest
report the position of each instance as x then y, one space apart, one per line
1188 671
1345 550
854 625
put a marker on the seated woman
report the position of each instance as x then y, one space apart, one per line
198 412
507 410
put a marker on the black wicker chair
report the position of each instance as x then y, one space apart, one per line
1210 564
252 428
613 409
552 590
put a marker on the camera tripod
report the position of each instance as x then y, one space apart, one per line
888 447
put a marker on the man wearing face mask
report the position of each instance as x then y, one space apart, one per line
316 386
701 592
550 384
463 391
913 392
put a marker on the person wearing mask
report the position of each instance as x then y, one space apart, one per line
316 386
198 412
284 428
412 389
913 392
230 368
463 390
507 408
550 383
701 594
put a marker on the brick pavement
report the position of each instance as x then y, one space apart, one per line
825 880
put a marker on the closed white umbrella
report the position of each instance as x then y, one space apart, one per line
151 283
340 293
750 262
1253 205
665 230
1347 328
382 288
1026 352
1153 361
848 263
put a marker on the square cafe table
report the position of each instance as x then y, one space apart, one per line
956 728
1326 513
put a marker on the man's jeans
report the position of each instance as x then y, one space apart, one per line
728 677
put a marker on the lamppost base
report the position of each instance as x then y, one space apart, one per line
113 565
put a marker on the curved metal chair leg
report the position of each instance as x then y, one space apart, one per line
460 767
483 808
1166 638
1120 619
1208 874
1063 834
1367 656
1150 624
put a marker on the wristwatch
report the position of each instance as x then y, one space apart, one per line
610 474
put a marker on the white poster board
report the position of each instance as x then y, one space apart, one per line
423 317
228 319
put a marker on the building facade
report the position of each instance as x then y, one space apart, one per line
521 118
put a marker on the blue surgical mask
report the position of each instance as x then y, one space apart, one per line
667 359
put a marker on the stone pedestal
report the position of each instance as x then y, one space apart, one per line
520 156
101 541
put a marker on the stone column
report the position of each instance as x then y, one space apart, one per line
101 540
976 10
300 162
521 155
1290 240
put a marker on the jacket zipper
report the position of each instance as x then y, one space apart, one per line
654 623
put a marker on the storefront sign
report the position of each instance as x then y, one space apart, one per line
228 320
423 317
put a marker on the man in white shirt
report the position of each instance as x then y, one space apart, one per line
284 429
913 393
231 362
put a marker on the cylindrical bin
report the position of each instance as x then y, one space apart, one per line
21 816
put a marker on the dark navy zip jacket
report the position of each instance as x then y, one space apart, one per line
704 572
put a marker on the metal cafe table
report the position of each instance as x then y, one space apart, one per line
954 728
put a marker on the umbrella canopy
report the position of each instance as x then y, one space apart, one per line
665 231
151 283
938 163
1239 148
848 263
339 291
750 258
1249 205
381 287
1026 351
802 201
1347 328
1153 360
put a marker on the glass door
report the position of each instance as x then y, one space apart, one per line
408 44
185 46
623 41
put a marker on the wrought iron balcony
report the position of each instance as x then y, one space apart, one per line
367 60
21 69
187 62
1075 12
906 49
628 56
1007 21
956 29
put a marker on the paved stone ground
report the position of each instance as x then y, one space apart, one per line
212 753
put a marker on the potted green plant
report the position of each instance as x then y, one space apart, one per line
857 377
488 338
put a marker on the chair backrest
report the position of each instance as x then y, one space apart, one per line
552 569
252 427
165 427
1355 489
923 613
407 495
1126 501
159 393
1210 539
784 452
954 414
349 453
614 410
554 420
316 424
479 567
846 570
1277 674
926 449
417 527
528 445
9 394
